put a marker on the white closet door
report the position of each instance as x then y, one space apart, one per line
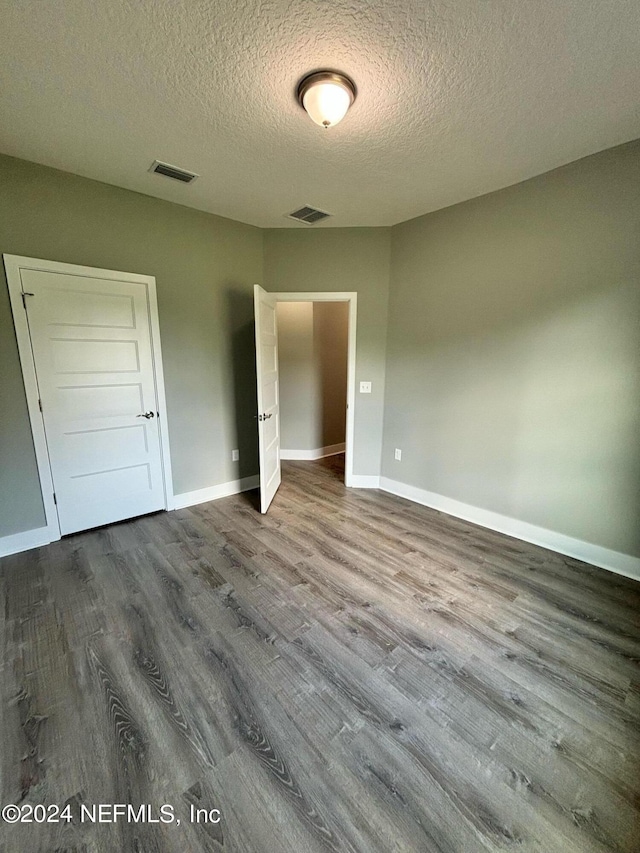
268 395
93 354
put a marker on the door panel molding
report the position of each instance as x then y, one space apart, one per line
14 266
267 374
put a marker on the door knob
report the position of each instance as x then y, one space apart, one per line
146 415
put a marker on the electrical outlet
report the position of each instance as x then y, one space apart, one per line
235 455
398 455
365 387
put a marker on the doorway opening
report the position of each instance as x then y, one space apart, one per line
322 436
313 340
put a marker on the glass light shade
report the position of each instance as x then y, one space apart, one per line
327 103
326 96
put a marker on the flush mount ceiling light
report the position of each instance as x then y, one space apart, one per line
326 96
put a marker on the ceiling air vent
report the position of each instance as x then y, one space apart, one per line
172 172
307 214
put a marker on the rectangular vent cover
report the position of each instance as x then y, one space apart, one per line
173 172
308 214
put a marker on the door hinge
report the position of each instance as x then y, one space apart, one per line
55 500
40 404
24 298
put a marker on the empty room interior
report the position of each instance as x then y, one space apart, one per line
320 426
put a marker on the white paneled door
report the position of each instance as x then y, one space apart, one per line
92 348
268 395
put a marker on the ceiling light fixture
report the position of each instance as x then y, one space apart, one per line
326 96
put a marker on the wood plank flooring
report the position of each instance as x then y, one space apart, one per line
351 672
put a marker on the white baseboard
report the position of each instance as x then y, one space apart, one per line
364 481
17 542
25 541
614 561
212 493
318 453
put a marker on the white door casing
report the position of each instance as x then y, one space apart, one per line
95 362
268 395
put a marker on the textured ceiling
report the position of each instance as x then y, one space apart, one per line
455 97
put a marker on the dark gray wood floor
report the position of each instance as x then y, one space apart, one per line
351 672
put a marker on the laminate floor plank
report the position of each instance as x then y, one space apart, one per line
349 672
524 733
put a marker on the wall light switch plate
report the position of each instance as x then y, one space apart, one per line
235 455
365 387
398 455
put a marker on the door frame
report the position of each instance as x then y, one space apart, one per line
351 297
14 264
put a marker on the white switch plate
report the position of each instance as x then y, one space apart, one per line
398 455
365 387
235 455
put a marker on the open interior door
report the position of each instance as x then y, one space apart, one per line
268 395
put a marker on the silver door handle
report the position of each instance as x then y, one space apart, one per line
266 417
146 415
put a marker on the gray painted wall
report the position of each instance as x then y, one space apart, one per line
331 340
513 370
312 353
205 268
333 259
299 402
513 373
